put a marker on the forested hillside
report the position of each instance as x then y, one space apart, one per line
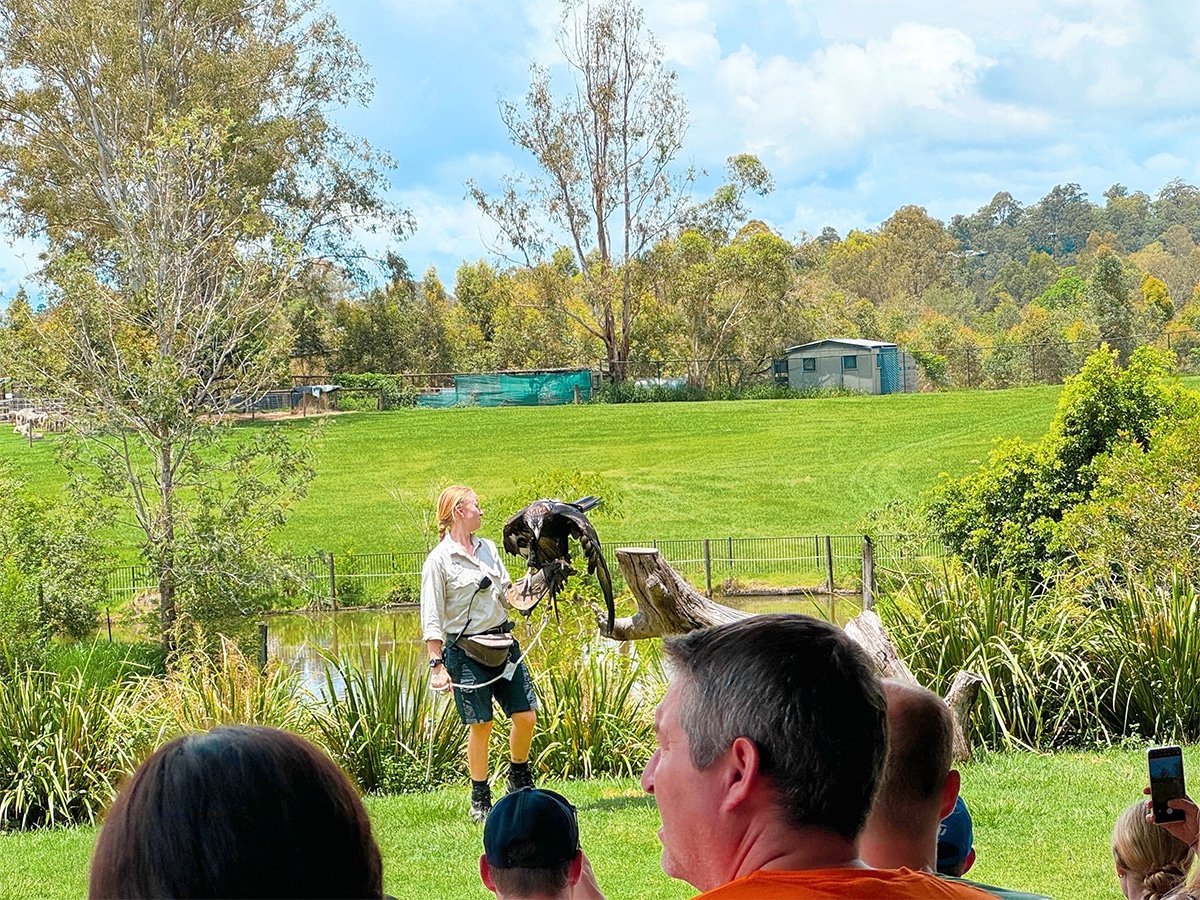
1014 292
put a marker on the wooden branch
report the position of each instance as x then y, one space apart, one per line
668 605
961 700
867 631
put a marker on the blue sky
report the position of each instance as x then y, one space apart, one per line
856 106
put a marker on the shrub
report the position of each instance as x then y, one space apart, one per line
381 723
1143 519
23 639
1005 517
397 391
65 745
49 551
628 392
1034 652
1151 660
597 718
204 690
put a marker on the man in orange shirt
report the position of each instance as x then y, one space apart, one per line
771 740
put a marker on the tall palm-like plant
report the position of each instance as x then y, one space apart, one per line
1151 659
1034 650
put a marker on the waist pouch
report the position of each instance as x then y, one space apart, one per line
489 650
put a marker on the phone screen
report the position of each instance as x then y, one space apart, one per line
1166 783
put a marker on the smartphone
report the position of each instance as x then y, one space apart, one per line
1166 782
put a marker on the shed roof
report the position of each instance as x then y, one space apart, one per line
840 342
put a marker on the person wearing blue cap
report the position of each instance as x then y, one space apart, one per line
531 849
956 841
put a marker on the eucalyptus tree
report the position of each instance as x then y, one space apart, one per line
605 148
178 161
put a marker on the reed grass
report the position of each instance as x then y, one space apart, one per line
64 746
382 724
204 690
1151 660
1035 652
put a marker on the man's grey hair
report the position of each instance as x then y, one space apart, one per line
808 698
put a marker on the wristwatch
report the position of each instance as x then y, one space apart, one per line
434 663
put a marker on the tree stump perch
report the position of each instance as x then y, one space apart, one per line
668 604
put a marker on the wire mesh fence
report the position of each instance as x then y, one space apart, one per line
829 562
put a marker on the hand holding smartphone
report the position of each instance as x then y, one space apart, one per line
1166 782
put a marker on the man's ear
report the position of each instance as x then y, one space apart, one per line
575 869
950 791
485 873
742 763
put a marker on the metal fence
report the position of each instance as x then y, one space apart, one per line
827 562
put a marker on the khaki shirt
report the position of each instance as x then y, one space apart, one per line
448 581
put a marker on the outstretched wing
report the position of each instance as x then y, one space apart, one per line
516 534
579 527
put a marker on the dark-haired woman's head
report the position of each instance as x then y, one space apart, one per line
239 811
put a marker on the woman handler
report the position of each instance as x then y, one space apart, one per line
463 585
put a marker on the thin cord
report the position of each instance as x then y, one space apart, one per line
537 637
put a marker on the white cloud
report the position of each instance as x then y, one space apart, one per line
543 17
448 231
1109 24
845 93
686 30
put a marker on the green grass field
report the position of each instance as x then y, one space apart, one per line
1042 822
715 469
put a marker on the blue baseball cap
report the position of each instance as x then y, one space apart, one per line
531 829
955 850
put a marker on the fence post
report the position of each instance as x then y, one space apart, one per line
829 562
108 619
730 542
868 572
708 568
332 583
262 646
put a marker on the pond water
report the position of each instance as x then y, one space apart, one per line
299 639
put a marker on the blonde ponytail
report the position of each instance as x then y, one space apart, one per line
447 501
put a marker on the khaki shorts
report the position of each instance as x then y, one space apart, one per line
474 705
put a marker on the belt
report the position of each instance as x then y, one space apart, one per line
499 629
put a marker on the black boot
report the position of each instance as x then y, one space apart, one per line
519 776
481 800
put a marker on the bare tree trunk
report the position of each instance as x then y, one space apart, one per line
166 552
668 605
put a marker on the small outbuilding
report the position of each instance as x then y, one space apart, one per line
872 367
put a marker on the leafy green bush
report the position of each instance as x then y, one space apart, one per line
628 392
23 639
48 551
1005 517
1143 519
397 391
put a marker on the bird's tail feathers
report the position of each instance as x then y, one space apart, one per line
583 504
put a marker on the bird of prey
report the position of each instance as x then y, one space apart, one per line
539 534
